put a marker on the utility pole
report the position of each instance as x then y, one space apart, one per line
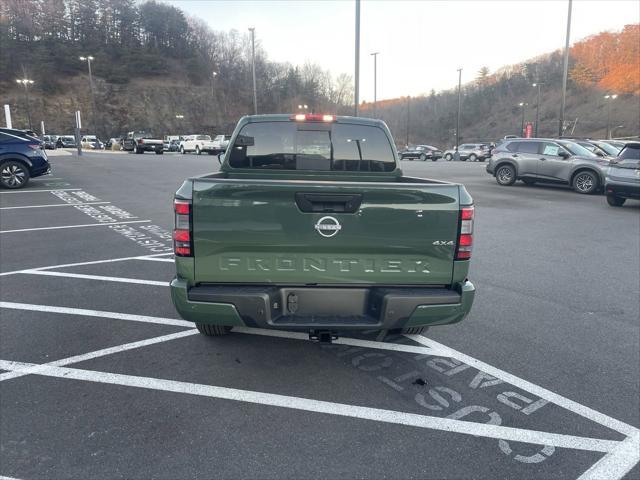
375 83
253 68
539 85
609 98
564 74
459 110
408 118
357 66
523 105
26 83
89 59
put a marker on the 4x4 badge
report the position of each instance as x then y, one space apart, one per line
328 226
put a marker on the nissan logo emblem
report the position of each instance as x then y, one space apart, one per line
328 226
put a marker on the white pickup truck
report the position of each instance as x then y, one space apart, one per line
198 144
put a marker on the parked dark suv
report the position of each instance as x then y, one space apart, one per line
623 176
21 157
548 161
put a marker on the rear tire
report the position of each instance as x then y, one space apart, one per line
209 330
505 175
423 157
473 157
448 157
585 182
13 174
159 152
414 330
615 201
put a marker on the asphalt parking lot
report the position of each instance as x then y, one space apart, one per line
99 378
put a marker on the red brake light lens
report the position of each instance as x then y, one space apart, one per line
182 207
466 213
182 235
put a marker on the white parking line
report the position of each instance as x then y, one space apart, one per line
36 191
541 392
153 259
54 205
354 342
320 406
96 277
72 226
96 313
101 353
92 262
617 463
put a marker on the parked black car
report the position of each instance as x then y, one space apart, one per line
22 157
622 178
66 141
421 152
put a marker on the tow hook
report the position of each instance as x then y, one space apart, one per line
322 336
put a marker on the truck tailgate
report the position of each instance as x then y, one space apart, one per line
293 232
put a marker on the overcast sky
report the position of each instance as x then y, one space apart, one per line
421 43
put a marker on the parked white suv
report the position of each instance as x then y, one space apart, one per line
221 142
198 144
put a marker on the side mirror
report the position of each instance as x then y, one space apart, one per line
563 154
599 153
220 157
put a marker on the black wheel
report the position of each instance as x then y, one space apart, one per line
197 150
448 157
615 201
585 182
423 157
212 330
159 152
182 150
506 175
473 157
528 181
13 174
434 159
139 150
414 330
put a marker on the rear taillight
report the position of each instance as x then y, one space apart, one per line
465 235
182 241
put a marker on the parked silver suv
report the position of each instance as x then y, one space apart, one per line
469 151
549 161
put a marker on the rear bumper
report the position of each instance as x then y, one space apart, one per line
625 190
306 308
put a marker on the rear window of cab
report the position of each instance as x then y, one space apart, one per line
312 146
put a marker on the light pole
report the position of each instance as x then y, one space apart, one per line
564 73
459 110
523 105
253 68
356 90
609 98
25 83
89 59
375 82
539 85
408 117
213 85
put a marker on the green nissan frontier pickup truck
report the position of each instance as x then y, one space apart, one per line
310 225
